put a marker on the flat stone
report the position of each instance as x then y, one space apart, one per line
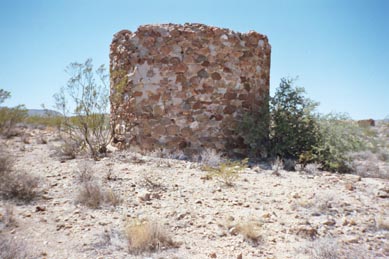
203 73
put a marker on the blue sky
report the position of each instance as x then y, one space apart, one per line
339 49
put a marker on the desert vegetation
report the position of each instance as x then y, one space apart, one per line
298 133
88 122
315 186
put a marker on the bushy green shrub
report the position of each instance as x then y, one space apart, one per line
296 132
339 136
293 126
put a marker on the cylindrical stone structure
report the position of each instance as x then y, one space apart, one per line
186 87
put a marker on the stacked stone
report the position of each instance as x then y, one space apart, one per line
186 86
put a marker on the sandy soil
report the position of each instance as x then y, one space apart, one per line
295 213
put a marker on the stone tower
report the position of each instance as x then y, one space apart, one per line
186 87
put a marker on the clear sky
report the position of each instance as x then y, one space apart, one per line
339 49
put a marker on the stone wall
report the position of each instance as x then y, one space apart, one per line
186 86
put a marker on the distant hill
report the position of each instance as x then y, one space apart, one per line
42 112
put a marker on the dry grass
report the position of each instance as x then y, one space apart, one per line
112 198
277 165
227 172
210 157
84 174
91 194
8 217
12 249
68 149
152 183
147 236
324 248
382 222
250 229
18 185
373 162
331 248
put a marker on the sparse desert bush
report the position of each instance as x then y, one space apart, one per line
9 117
147 236
152 183
277 165
250 230
368 164
90 193
6 163
382 222
88 122
331 248
68 149
84 172
19 185
12 249
13 184
324 248
383 155
227 172
210 157
112 198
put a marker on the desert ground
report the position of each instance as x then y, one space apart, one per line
266 213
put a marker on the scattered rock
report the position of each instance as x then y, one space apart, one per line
349 186
39 209
329 222
383 192
144 196
307 232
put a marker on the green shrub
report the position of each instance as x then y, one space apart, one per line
339 136
293 126
9 117
254 129
296 132
48 121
